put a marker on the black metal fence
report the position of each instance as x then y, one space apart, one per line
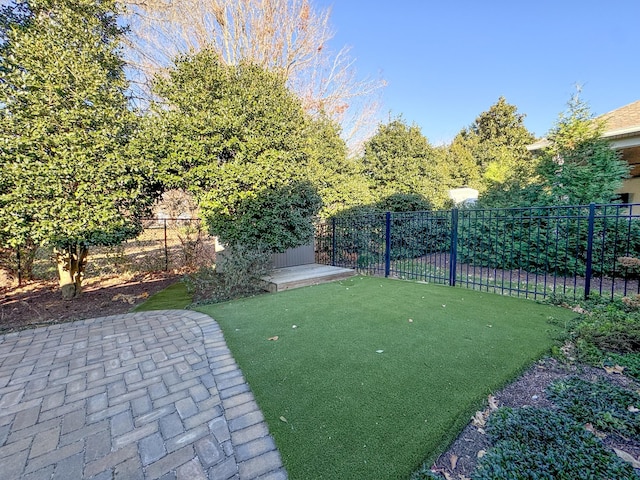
573 251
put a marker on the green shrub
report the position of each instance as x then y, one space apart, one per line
537 444
611 331
426 474
552 240
630 362
237 273
608 327
602 404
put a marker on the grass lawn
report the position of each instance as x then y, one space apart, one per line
174 296
365 392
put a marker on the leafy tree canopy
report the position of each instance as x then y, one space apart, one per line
64 126
238 139
497 141
399 159
579 166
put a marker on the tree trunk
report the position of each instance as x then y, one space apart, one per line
72 260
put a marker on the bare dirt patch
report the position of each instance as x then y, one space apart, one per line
460 460
40 303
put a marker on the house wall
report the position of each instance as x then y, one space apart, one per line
632 187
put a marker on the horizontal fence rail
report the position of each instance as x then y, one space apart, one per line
566 251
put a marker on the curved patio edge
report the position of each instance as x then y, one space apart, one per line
142 395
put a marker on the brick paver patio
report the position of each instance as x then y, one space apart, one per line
138 396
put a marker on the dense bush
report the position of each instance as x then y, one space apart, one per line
552 240
237 273
276 218
536 444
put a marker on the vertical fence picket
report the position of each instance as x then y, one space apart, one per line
387 246
333 242
588 268
453 251
166 247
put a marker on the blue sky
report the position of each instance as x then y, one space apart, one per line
447 61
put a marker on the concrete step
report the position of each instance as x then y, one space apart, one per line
304 275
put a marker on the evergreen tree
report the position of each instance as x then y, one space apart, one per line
497 141
64 127
579 166
399 159
239 140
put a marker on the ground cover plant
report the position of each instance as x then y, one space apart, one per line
592 388
368 377
540 443
609 408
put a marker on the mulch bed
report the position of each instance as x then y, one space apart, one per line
40 303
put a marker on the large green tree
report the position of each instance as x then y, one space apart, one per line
579 166
337 177
399 159
497 142
64 126
240 141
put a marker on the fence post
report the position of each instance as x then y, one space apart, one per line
333 242
588 269
453 251
166 249
387 245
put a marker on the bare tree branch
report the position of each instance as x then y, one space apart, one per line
287 36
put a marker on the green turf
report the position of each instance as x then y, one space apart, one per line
173 297
352 413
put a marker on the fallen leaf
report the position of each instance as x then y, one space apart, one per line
282 419
493 403
379 351
616 369
130 299
633 409
590 428
453 460
463 477
481 453
479 420
627 457
411 320
443 306
273 339
447 476
578 309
